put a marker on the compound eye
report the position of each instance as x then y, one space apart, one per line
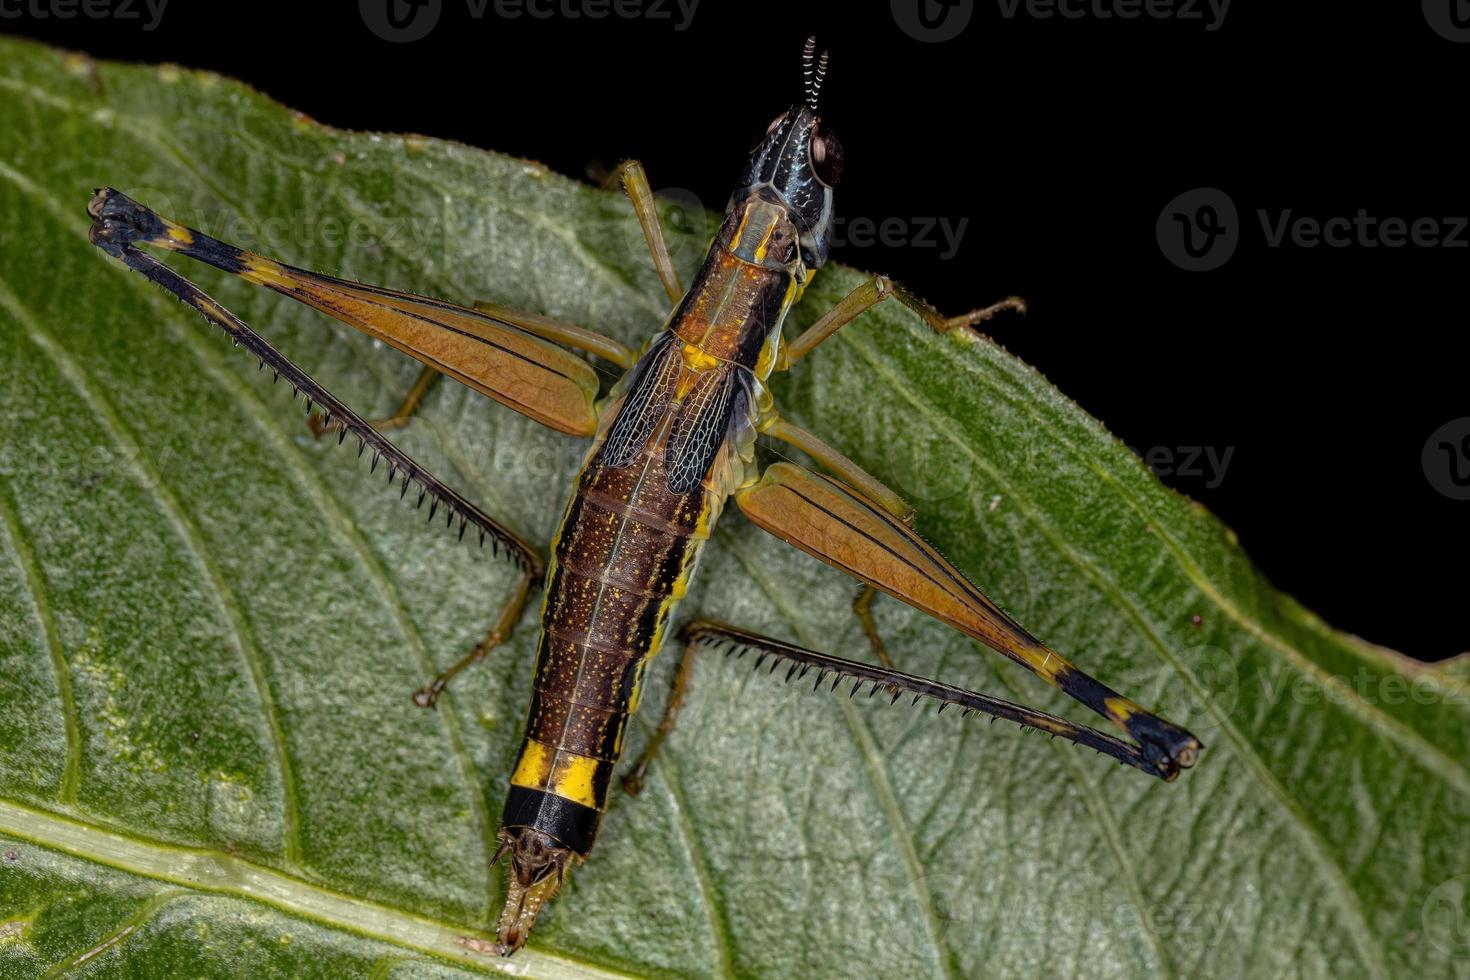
826 154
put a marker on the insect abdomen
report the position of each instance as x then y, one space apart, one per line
622 561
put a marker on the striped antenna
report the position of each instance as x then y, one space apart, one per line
806 67
816 86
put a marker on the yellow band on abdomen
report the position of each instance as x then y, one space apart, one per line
534 768
574 777
578 778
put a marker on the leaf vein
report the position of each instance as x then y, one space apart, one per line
189 533
875 769
143 916
1347 899
336 515
25 560
714 909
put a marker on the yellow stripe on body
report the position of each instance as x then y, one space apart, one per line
559 772
696 540
533 771
771 352
765 243
572 778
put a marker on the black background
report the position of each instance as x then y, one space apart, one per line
1061 140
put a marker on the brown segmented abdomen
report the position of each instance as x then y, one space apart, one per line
669 451
621 562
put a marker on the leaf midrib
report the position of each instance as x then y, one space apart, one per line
208 871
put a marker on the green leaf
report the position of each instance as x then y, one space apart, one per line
210 624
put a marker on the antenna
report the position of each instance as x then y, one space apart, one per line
816 89
806 68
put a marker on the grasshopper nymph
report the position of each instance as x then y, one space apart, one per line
671 443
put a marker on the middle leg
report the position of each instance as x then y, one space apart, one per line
402 415
428 695
633 781
862 606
